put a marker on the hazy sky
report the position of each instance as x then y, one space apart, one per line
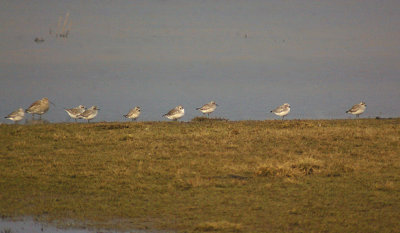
320 56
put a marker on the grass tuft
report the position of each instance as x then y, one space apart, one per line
207 119
299 167
220 226
386 186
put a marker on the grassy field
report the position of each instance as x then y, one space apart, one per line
206 175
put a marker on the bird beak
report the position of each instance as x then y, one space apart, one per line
52 103
217 104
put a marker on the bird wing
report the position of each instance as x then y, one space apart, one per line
279 109
86 113
354 108
132 111
172 112
35 105
73 111
13 114
206 106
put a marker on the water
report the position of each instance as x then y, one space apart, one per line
320 58
28 225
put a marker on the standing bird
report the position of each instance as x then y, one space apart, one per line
208 108
175 113
17 115
75 112
357 109
133 113
89 114
39 107
282 110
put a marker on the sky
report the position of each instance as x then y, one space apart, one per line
322 57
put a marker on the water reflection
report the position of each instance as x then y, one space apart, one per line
28 225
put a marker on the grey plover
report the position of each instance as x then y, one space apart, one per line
89 113
208 108
175 113
282 110
39 107
75 112
17 115
357 109
133 113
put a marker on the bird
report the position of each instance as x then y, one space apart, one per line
357 109
133 113
175 113
75 112
282 110
17 115
208 108
39 107
89 114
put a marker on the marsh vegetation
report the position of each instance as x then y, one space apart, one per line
205 175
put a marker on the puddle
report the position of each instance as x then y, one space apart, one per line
28 225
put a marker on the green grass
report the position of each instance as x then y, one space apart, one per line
206 175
